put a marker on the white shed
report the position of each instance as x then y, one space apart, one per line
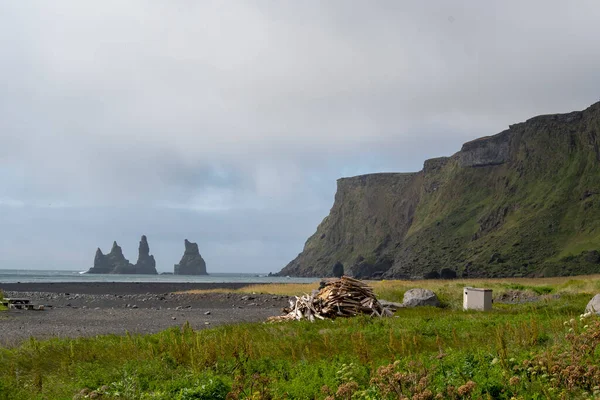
477 299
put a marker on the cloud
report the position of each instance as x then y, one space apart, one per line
220 107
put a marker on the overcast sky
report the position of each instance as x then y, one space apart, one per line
228 122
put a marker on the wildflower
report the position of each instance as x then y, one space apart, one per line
515 380
495 361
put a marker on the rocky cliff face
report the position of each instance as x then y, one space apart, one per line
371 214
116 263
524 202
192 262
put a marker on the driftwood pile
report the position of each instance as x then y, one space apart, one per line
344 297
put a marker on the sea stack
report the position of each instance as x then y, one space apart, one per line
101 265
112 263
116 263
192 262
145 263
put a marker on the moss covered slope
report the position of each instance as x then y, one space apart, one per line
524 202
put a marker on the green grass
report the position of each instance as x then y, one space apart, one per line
427 349
2 308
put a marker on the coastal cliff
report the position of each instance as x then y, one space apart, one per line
524 202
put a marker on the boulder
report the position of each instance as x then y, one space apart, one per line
145 263
594 305
192 262
420 297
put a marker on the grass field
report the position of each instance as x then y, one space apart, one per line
534 350
449 291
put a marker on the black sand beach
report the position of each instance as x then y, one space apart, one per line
89 309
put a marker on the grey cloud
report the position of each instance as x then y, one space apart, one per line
257 107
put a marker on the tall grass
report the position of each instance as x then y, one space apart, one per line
449 291
421 352
296 358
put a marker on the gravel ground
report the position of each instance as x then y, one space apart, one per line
85 311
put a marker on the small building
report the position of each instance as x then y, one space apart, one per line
477 299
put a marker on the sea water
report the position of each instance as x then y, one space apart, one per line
30 276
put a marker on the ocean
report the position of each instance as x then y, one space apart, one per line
30 276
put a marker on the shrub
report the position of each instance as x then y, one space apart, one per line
212 389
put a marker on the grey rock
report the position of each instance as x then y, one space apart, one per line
192 262
145 263
116 263
594 305
420 297
391 304
111 263
490 150
207 313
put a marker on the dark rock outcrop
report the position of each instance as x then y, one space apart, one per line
447 273
116 263
145 263
519 203
432 275
370 212
192 262
493 150
338 270
111 263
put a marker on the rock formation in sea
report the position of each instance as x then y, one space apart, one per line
111 263
192 262
145 263
523 202
116 263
